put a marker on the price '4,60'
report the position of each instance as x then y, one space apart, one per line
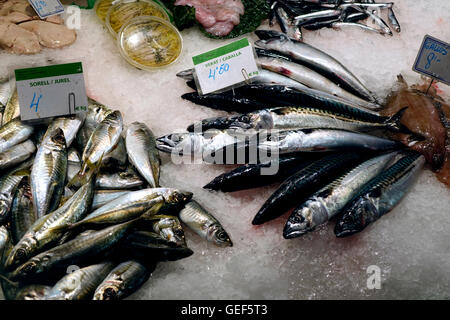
224 67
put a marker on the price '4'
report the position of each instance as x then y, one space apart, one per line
224 67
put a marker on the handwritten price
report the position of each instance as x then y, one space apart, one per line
224 67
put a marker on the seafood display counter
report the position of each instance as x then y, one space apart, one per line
220 231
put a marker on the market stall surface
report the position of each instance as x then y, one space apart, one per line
410 245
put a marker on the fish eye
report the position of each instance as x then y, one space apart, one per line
222 235
29 268
21 253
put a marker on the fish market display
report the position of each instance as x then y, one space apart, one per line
313 15
23 32
78 194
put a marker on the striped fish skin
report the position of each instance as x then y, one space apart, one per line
102 197
204 224
48 173
8 187
16 154
72 252
331 199
141 148
304 183
13 133
12 109
22 212
80 284
122 281
94 116
45 232
319 140
380 195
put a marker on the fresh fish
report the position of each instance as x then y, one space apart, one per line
102 197
73 163
47 229
393 20
117 158
302 118
22 212
33 292
8 185
133 204
269 77
204 144
204 224
339 25
315 59
319 140
331 199
224 101
6 91
304 183
261 52
123 280
380 195
9 288
4 238
17 154
287 25
48 173
303 18
73 252
73 155
187 74
310 78
12 109
118 180
80 284
149 246
141 149
355 17
380 22
169 228
250 175
94 116
69 125
102 140
14 132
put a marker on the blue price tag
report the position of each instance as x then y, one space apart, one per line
46 8
433 59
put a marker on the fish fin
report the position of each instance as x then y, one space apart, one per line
86 173
393 121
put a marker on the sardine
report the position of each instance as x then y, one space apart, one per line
118 180
141 149
122 281
102 197
304 183
94 116
287 24
331 199
303 118
249 176
22 212
102 140
149 246
310 78
319 140
12 109
169 228
48 173
16 154
8 186
33 292
46 230
80 284
380 195
73 252
117 157
69 125
14 132
204 224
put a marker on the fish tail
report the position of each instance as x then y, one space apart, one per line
86 173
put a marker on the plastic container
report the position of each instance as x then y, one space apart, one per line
149 43
125 10
101 8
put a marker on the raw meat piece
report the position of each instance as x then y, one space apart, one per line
218 17
50 35
17 39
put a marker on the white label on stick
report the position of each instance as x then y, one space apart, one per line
47 8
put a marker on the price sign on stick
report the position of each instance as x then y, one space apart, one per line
433 59
51 91
228 66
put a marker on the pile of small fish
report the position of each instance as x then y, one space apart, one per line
292 15
334 158
91 226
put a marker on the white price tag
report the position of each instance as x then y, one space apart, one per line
51 91
227 66
46 8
